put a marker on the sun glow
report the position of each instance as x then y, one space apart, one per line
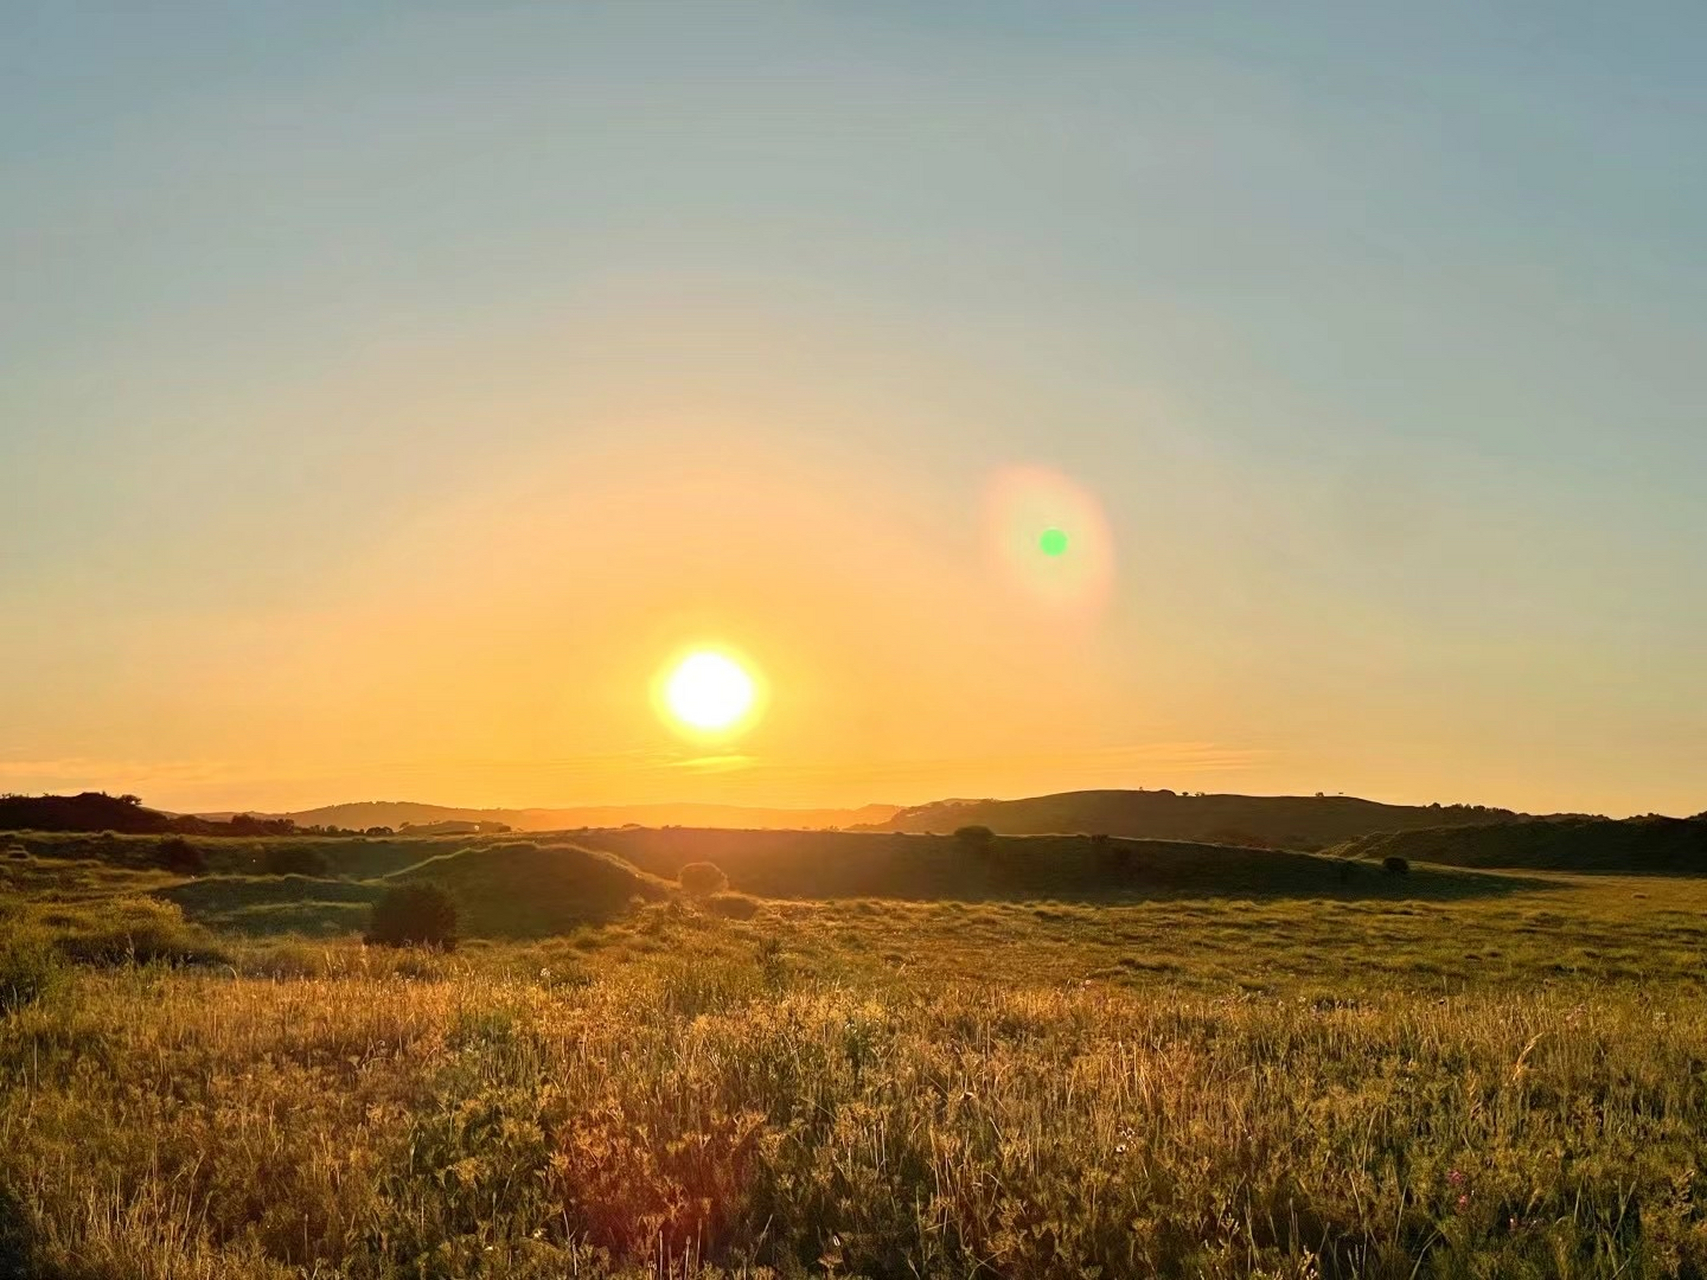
708 692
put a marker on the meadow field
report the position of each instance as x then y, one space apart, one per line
1446 1073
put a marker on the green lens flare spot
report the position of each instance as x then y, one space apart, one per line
1052 543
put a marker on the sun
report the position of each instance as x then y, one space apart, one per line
708 692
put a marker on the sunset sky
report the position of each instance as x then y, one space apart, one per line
388 392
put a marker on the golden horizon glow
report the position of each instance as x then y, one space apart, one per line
710 693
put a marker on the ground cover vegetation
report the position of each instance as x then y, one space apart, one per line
1445 1073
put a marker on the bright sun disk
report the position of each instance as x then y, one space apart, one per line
709 691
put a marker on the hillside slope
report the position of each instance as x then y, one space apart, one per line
846 864
1281 822
1635 846
522 890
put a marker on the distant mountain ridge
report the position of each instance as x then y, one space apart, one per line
1281 822
1307 823
396 814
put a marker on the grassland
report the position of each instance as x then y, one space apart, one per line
1426 1075
1652 845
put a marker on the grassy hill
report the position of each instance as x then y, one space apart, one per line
1280 822
849 864
346 857
502 890
522 890
510 888
257 905
1646 846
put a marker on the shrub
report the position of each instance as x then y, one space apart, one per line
978 838
414 915
732 906
1396 865
178 855
29 969
702 879
293 860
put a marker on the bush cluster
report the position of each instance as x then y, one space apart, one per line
414 915
178 855
702 879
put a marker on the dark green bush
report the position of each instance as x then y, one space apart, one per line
1396 865
978 838
293 860
702 879
414 915
179 856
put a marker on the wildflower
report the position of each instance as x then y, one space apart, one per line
1463 1203
1456 1177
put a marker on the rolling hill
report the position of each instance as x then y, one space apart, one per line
1633 846
1279 822
502 890
848 864
529 890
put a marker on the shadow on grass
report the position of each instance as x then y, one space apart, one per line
17 1247
1086 868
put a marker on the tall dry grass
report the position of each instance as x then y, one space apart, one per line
683 1115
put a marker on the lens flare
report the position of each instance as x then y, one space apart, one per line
1049 538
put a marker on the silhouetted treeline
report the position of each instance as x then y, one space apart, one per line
126 814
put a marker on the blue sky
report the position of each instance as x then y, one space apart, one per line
1379 332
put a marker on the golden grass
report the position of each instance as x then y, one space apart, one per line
889 1089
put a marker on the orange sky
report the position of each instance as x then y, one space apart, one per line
390 390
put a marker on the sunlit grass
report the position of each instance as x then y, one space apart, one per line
1503 1087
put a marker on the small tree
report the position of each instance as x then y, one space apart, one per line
293 860
179 856
976 838
702 879
414 915
1396 866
